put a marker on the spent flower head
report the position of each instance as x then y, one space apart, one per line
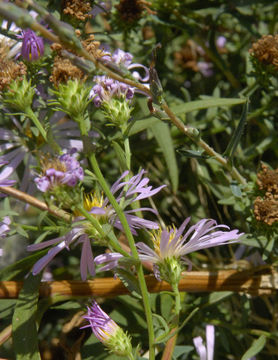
108 332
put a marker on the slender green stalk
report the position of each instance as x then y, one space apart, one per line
101 232
30 113
141 279
127 152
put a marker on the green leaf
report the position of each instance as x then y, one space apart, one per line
25 340
20 268
205 104
197 154
129 281
120 155
256 346
162 134
141 125
231 148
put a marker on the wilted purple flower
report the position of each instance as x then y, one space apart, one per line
65 170
108 332
32 45
172 244
205 352
4 229
76 235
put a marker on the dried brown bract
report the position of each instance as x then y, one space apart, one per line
189 55
266 207
63 70
9 70
266 210
78 9
266 50
267 180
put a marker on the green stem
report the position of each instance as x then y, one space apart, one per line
30 113
177 299
141 278
127 152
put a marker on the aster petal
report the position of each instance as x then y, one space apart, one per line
87 258
210 336
111 260
39 265
200 347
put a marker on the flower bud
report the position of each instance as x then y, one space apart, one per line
73 99
20 95
32 45
108 332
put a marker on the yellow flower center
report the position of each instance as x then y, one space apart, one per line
156 237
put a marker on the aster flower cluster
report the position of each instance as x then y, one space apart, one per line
129 191
65 170
107 88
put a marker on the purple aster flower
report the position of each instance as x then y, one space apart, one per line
32 45
106 88
4 174
4 229
128 192
108 332
77 235
205 352
65 170
174 244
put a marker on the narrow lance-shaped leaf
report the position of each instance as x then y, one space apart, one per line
162 134
255 348
231 148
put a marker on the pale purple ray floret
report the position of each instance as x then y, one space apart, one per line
13 151
4 229
78 235
70 174
129 191
205 352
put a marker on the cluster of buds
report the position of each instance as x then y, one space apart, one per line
266 207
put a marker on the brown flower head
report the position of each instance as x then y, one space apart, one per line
266 210
78 9
266 207
267 179
9 70
266 50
